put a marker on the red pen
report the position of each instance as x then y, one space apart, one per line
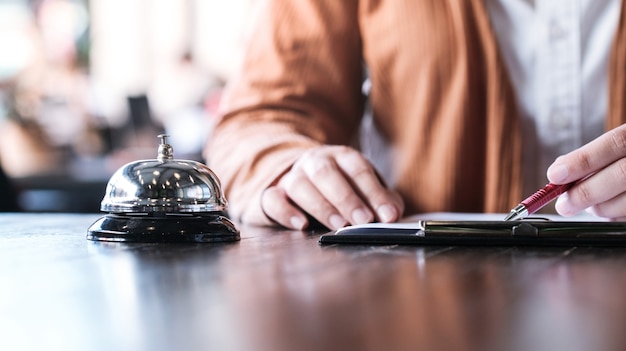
536 201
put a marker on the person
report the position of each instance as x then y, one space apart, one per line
475 99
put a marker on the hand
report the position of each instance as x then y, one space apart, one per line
336 185
603 162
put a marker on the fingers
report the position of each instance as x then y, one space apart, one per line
387 205
613 208
601 164
590 158
277 206
325 175
335 185
604 193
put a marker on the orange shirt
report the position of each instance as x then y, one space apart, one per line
440 94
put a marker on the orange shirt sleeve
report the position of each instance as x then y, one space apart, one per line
299 87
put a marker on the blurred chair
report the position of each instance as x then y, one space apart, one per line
8 194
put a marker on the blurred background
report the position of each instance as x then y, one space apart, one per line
87 85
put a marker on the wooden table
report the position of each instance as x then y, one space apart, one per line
281 290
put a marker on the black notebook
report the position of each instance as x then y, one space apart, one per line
472 229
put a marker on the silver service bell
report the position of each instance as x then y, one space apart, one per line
164 200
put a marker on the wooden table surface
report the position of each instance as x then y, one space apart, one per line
281 290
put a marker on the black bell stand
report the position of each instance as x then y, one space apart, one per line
162 227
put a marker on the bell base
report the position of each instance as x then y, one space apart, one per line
205 228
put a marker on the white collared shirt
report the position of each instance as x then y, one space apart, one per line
556 53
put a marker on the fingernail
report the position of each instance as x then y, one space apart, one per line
360 216
297 222
336 221
563 206
557 173
386 213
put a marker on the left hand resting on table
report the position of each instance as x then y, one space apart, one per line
604 192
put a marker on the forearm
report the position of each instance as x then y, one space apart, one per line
299 88
248 157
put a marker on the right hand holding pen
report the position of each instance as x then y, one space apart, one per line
599 168
337 186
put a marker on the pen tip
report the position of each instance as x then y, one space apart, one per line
518 212
511 216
